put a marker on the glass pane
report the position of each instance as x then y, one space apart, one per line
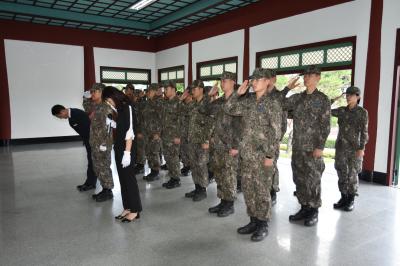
205 71
110 74
164 76
342 54
313 58
290 60
231 67
180 74
172 75
217 70
270 62
138 76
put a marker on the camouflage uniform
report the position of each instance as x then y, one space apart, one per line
151 125
261 132
140 149
311 127
199 132
279 96
353 135
100 135
170 130
186 109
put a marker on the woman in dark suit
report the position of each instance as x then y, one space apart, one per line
123 139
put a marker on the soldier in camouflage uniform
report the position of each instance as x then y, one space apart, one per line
311 127
199 133
279 96
140 149
101 143
186 109
260 137
170 134
151 126
224 146
350 145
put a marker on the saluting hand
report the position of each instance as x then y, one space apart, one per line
293 83
243 88
213 91
184 95
317 153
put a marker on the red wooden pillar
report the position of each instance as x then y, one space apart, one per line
89 74
246 53
5 113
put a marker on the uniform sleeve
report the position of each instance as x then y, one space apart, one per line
325 124
364 130
236 124
103 130
335 112
235 105
87 105
274 129
290 103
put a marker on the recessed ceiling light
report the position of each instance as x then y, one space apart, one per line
142 4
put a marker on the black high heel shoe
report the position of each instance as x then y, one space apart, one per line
126 220
120 217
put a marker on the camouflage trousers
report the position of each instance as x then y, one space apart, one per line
275 177
307 173
152 150
348 166
225 172
198 164
256 186
101 167
171 156
185 153
140 151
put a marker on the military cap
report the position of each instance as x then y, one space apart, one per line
197 83
228 75
170 83
98 86
353 90
273 72
153 87
259 73
312 70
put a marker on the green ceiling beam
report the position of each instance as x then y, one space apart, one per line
71 16
184 12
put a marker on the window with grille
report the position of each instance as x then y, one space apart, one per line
330 55
125 75
212 70
176 74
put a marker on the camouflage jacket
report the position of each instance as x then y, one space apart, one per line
171 125
139 115
280 96
186 109
151 117
311 120
353 127
226 133
261 124
200 125
100 133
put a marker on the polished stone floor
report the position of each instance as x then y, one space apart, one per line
44 220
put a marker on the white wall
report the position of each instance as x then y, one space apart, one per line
390 23
172 57
124 58
39 76
218 47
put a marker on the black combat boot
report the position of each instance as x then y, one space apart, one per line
210 177
193 192
349 205
273 197
248 228
261 232
105 194
164 167
200 194
173 183
300 215
185 171
239 186
216 208
312 217
341 203
227 209
154 175
139 168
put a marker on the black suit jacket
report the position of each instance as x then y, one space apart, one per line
80 122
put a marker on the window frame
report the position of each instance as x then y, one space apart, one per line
215 62
126 70
170 69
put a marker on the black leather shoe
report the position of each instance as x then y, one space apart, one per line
185 170
190 194
174 183
227 209
273 197
300 215
349 205
216 208
88 187
312 218
261 232
139 168
341 203
200 194
154 175
104 195
164 167
248 228
126 220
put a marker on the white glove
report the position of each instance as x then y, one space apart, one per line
102 148
87 95
110 122
129 134
126 159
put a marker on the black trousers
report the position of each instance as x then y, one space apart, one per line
129 187
91 178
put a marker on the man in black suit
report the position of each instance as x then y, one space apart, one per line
80 122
